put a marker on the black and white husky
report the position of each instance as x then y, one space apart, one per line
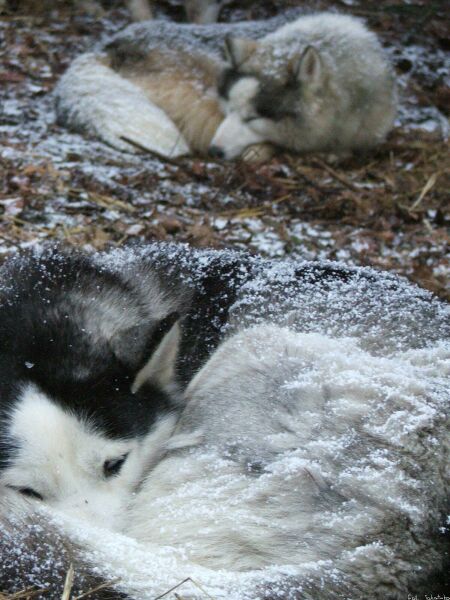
87 357
307 457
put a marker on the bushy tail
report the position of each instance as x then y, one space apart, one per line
92 98
37 555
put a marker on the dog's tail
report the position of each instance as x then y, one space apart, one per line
92 98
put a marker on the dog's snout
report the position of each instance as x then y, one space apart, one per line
216 152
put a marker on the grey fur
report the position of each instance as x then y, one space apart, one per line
320 83
346 454
132 91
277 460
154 86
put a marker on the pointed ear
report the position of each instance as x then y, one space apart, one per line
308 68
160 367
133 346
238 50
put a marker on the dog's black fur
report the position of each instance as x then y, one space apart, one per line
44 341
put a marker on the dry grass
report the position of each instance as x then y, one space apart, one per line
67 592
30 593
390 209
27 594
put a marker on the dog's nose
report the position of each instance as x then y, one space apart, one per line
216 152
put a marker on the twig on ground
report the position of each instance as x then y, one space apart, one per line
426 188
24 594
102 586
175 587
338 176
68 584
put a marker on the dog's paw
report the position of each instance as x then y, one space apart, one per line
258 153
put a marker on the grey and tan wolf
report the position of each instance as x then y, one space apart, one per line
260 427
311 83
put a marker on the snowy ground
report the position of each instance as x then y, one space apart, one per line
389 209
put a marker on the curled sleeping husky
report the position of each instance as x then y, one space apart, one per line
311 83
83 379
306 456
334 487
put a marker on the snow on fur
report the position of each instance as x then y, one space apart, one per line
312 456
91 97
345 98
119 115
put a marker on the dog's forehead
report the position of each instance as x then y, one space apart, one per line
244 90
35 419
41 428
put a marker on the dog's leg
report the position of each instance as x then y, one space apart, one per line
140 10
258 153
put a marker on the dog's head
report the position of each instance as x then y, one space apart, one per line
82 446
265 97
87 394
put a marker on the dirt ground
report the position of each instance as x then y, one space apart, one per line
389 209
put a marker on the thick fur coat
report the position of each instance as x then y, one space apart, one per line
153 86
320 83
309 83
307 456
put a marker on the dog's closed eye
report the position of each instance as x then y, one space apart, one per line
112 466
28 492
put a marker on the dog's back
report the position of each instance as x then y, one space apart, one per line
153 86
283 456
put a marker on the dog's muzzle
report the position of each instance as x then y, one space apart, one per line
216 152
232 137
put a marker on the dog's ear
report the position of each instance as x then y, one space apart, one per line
308 68
238 50
150 350
160 367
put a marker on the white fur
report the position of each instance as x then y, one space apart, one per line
61 458
113 108
338 431
353 449
180 66
233 133
355 108
234 136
